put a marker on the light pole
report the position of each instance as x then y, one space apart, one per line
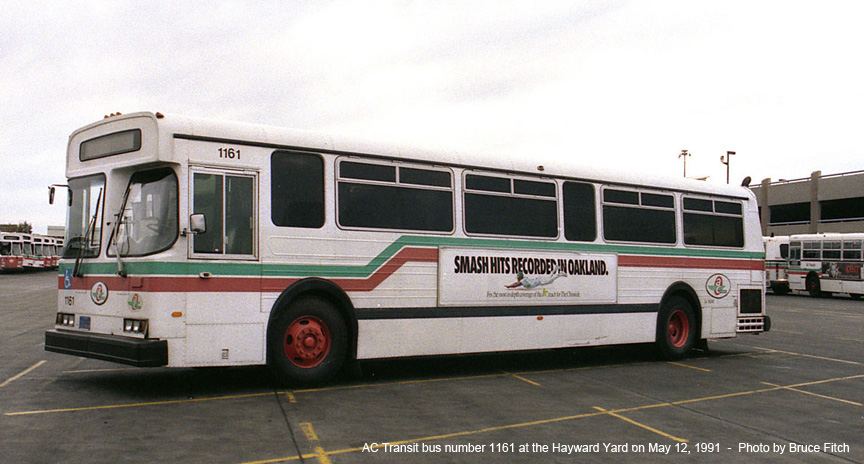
684 154
725 160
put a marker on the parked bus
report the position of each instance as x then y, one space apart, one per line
201 243
777 264
823 264
46 248
43 252
11 251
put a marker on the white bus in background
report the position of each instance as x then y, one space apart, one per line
11 251
777 264
823 264
45 254
201 243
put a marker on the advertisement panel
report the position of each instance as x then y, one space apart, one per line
483 277
841 271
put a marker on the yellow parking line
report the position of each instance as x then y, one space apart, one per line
823 358
320 454
816 394
136 405
522 378
650 429
401 382
90 371
773 351
690 367
22 374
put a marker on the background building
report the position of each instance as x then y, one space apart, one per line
815 204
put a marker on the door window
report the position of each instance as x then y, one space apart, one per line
227 202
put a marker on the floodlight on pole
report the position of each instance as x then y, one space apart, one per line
684 154
725 160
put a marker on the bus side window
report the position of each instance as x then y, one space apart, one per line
632 216
580 212
297 190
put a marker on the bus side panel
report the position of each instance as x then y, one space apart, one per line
428 336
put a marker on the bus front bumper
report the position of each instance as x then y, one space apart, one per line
123 350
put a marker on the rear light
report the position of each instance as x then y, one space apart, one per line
67 320
135 326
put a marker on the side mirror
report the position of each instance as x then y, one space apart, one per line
51 190
198 223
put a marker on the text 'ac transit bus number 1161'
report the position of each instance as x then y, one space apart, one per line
229 153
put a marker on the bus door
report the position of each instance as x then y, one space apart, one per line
225 257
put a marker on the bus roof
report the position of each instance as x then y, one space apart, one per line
171 125
828 236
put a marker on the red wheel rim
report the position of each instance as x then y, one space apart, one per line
679 329
307 342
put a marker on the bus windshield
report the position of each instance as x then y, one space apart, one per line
82 240
149 214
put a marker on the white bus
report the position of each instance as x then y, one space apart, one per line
777 264
200 243
11 251
823 264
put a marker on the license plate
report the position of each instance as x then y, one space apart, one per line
84 322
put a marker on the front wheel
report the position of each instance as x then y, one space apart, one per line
307 343
676 328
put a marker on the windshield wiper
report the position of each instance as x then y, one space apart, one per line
87 240
119 219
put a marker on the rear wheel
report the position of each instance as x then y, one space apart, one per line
676 328
307 343
813 285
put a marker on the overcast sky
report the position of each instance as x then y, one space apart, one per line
623 84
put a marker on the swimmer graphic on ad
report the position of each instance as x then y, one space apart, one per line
533 282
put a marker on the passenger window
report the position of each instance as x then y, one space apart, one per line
493 206
378 196
713 223
297 189
650 219
580 221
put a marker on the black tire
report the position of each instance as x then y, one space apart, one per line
307 343
780 289
814 287
676 328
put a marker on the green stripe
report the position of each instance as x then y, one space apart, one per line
363 271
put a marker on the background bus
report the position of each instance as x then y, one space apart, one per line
823 264
201 243
777 264
20 251
11 251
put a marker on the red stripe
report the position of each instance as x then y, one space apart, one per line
690 263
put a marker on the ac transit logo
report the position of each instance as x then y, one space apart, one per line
718 286
99 293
